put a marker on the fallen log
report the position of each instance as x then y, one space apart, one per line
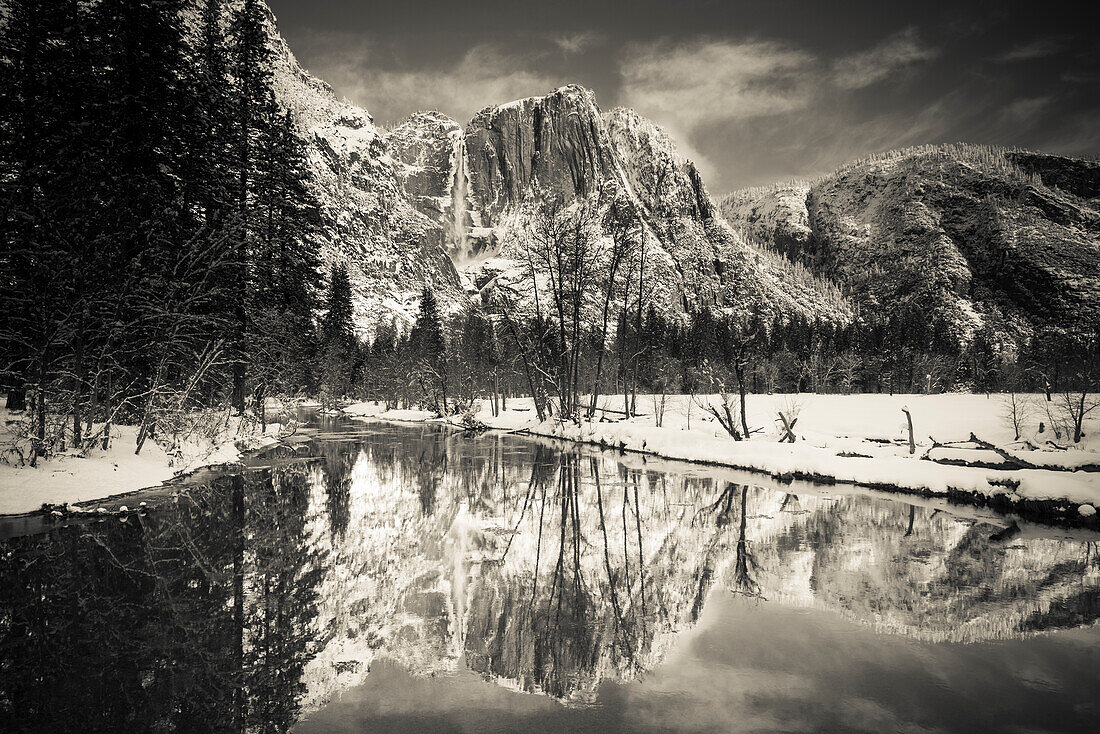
612 410
1015 461
1006 461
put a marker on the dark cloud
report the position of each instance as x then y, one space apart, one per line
754 92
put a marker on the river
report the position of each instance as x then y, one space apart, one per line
413 578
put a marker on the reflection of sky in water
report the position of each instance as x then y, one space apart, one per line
757 666
410 579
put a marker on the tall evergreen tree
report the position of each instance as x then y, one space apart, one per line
253 108
428 349
339 347
284 264
41 48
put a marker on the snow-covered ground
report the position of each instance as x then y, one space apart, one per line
861 439
73 478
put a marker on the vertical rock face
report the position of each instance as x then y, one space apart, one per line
562 145
556 141
423 151
429 149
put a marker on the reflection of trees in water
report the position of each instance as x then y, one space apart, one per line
721 512
603 564
283 574
556 625
556 568
745 567
339 462
142 624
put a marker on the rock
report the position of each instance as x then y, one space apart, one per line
1086 510
558 140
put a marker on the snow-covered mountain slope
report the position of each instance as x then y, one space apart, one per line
967 236
960 237
368 221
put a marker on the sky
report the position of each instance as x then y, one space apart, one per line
753 92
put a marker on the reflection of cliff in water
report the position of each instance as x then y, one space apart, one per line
931 575
545 570
552 571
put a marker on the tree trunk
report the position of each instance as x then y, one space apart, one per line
40 431
909 420
107 416
238 386
78 386
1079 418
739 370
261 408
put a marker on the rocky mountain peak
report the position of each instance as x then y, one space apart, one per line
556 141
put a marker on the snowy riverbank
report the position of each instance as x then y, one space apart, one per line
858 439
74 478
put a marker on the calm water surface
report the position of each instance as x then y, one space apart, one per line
376 577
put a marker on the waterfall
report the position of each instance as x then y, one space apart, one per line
459 189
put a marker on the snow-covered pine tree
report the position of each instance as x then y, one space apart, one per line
253 105
338 343
428 350
284 264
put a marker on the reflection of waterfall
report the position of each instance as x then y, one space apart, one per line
459 236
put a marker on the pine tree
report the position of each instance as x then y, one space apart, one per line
426 337
40 48
339 347
428 349
284 262
214 105
253 107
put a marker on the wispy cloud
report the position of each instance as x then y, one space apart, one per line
484 75
1037 49
1025 111
797 108
707 81
575 43
868 67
